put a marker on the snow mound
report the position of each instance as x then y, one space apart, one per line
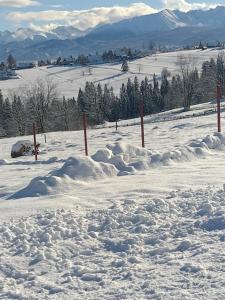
130 245
128 150
85 168
3 162
80 169
116 160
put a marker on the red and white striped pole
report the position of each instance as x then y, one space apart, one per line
218 96
35 141
85 133
142 123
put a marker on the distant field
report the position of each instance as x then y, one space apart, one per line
70 79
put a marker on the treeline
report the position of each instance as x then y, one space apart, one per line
158 93
41 104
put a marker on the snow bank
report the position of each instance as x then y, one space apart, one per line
80 169
130 249
117 159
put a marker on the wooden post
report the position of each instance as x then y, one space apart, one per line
218 96
35 141
85 133
142 123
116 125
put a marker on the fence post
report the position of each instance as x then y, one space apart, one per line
35 141
116 125
218 96
142 123
85 133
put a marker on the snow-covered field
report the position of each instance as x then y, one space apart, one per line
125 223
70 79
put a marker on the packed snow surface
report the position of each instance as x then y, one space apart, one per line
124 223
165 248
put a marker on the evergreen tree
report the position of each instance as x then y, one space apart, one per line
156 96
125 67
19 115
164 89
11 61
7 118
220 70
81 101
2 131
124 103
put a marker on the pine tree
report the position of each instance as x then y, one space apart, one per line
156 96
164 89
2 131
11 61
220 70
18 115
125 67
124 103
7 117
81 101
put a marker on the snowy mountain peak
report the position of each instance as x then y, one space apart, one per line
172 18
21 34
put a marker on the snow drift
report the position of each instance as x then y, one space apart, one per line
117 159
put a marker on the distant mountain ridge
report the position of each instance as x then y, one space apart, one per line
167 20
22 34
167 28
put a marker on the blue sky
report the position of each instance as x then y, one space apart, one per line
47 14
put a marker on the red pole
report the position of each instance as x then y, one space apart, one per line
35 141
142 123
85 134
218 94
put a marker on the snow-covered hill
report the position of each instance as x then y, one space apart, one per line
70 79
125 223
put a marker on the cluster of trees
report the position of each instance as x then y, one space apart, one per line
41 104
110 55
37 103
158 94
10 62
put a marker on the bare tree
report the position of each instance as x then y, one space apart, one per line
186 68
39 95
90 71
140 68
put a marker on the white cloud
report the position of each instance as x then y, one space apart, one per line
183 5
18 3
81 19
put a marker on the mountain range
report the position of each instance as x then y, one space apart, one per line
166 28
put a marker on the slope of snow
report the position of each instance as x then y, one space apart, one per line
70 79
70 228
